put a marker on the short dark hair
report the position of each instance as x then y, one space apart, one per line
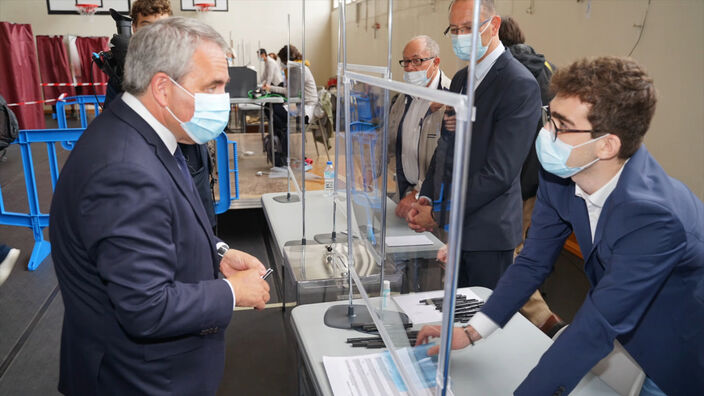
295 54
262 51
149 7
510 33
621 94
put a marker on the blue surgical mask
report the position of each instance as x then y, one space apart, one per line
462 45
210 117
553 154
419 77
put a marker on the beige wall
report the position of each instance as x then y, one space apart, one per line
254 21
670 48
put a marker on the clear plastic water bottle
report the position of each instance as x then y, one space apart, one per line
329 175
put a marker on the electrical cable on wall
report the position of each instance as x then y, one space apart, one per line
642 27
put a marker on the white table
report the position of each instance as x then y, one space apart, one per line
495 366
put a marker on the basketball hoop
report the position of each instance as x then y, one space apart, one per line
203 7
86 8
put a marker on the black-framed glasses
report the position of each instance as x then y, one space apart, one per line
549 124
466 29
414 61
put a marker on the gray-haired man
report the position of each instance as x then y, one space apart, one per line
414 123
133 250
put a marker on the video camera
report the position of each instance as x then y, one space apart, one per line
112 62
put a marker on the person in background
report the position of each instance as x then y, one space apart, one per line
510 34
8 259
143 13
414 124
272 72
281 112
507 113
273 56
641 230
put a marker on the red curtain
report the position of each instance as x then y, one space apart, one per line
86 47
54 66
19 74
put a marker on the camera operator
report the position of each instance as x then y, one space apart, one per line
143 13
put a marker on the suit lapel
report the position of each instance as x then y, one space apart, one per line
128 115
492 74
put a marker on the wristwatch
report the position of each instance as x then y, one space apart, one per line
222 248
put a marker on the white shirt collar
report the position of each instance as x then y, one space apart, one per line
164 133
485 65
599 197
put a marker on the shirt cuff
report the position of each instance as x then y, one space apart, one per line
232 289
430 201
482 324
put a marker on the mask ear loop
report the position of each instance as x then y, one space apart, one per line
186 91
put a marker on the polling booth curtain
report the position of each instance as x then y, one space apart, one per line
86 47
19 74
53 66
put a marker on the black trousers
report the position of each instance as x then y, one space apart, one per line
280 124
483 268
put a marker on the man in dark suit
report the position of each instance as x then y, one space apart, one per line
134 253
641 231
507 114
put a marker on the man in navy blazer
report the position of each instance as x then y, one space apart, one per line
134 253
507 100
641 233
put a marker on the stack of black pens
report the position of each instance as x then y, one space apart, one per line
465 307
371 327
377 342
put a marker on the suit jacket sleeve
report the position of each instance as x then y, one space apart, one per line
546 236
512 135
128 232
646 242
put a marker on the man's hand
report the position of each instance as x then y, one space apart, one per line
419 218
435 106
266 87
450 120
236 260
459 337
250 289
442 254
405 204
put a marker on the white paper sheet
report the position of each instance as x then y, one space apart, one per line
420 313
365 375
408 240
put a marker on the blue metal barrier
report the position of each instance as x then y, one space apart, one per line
224 171
37 221
81 101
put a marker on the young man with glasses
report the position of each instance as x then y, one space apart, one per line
414 123
507 100
641 231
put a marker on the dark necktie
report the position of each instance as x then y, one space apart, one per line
183 167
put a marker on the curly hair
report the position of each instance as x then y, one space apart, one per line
621 94
149 7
